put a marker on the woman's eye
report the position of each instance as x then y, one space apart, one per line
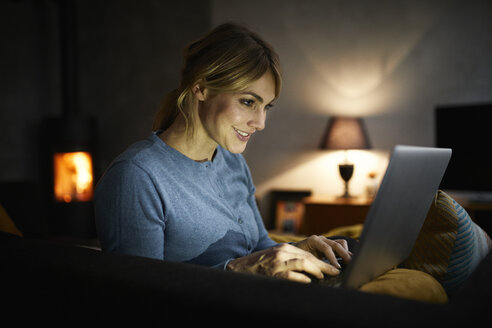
247 102
269 106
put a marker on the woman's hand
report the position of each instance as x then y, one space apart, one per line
287 261
323 247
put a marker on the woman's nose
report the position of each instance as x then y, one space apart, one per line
258 120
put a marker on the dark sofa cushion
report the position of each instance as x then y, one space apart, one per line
62 285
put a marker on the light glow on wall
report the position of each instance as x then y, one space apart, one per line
319 173
347 68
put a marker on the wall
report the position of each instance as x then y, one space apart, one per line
129 55
390 62
28 82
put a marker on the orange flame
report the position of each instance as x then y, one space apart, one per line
73 177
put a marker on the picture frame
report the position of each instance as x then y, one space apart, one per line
287 209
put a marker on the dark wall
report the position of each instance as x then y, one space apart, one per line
129 55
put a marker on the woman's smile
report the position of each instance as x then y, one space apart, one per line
243 136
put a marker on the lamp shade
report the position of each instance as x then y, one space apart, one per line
345 133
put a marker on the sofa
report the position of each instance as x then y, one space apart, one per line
54 283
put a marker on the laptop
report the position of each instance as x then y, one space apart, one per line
397 213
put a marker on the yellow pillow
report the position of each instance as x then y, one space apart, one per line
6 223
353 231
409 284
285 238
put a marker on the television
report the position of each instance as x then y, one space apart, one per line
467 130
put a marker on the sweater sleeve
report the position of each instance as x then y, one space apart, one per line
129 213
264 241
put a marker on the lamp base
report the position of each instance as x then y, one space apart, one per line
346 172
346 194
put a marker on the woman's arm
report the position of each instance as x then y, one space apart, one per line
129 212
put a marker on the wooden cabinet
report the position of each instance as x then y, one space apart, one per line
322 214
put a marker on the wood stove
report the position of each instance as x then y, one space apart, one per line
68 157
68 146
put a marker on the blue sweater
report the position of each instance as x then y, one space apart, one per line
155 202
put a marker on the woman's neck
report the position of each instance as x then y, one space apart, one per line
192 145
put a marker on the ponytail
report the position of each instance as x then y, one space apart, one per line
173 104
168 111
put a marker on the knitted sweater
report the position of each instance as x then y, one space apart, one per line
155 202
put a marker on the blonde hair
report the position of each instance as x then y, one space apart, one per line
227 59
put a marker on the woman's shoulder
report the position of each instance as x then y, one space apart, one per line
139 150
143 153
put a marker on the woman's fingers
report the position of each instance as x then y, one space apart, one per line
284 261
293 276
331 248
304 265
340 246
303 262
327 250
344 243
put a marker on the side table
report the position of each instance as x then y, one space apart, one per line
323 213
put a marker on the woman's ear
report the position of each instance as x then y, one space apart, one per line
199 92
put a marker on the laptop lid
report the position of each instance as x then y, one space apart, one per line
398 211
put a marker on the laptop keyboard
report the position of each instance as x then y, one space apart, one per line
331 281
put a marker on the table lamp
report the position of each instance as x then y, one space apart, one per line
344 133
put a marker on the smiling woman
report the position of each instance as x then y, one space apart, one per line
185 193
229 78
227 119
226 60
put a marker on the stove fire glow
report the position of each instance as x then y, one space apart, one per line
73 177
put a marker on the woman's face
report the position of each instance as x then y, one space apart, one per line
229 119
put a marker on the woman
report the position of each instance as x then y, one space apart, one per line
185 193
